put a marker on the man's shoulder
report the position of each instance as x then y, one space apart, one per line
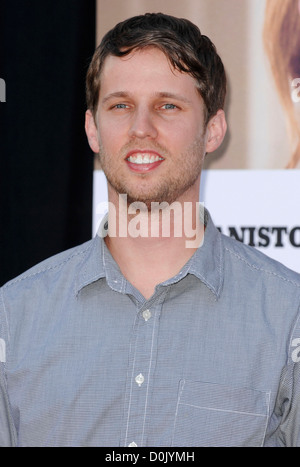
251 258
65 259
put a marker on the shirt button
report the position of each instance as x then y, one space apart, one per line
132 445
139 379
146 315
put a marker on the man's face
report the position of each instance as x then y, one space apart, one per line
149 129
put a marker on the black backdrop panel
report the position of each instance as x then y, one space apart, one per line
46 165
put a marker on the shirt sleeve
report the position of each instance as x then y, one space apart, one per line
285 420
7 430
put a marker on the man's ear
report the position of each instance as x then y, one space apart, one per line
216 130
91 131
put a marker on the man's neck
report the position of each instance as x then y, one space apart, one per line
152 248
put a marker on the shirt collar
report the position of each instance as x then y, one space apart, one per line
207 263
92 267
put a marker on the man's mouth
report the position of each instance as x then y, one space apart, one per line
143 161
144 158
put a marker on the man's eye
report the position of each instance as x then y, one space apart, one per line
120 106
169 106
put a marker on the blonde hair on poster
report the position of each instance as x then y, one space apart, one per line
281 34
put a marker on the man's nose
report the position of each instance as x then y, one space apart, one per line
142 125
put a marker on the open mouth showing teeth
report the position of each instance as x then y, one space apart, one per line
144 158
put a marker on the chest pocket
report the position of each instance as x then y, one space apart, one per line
215 415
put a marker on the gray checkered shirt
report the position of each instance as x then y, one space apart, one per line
211 359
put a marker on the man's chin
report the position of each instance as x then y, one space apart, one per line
145 197
149 198
142 198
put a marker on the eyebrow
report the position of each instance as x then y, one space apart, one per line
161 94
114 95
171 95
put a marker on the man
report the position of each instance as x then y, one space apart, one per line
138 337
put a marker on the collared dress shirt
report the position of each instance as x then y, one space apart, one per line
211 359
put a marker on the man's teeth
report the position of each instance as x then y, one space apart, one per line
144 158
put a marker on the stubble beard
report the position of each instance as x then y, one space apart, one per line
168 190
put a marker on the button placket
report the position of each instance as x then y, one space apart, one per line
142 364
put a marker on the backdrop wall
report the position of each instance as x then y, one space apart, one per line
46 166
